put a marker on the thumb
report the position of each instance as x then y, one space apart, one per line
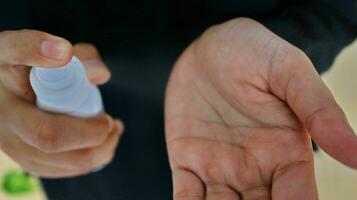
33 48
295 80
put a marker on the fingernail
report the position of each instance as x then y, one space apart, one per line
54 49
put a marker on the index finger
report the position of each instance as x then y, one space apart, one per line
97 71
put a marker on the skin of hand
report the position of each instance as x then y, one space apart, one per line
46 144
240 107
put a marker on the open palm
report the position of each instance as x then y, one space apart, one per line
240 105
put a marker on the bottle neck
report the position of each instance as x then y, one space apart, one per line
63 88
52 74
60 77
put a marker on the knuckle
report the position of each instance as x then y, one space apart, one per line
88 159
96 138
100 133
290 56
85 159
100 138
47 136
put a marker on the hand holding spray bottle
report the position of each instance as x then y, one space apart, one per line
66 90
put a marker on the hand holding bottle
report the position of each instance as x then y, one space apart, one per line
47 144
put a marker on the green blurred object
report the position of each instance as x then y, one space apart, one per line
17 182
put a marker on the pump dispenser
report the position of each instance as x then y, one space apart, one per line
66 90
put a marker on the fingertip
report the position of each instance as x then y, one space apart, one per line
97 71
119 125
102 79
99 79
331 131
110 122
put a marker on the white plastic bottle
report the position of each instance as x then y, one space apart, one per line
66 90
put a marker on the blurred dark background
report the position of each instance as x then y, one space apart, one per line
140 41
